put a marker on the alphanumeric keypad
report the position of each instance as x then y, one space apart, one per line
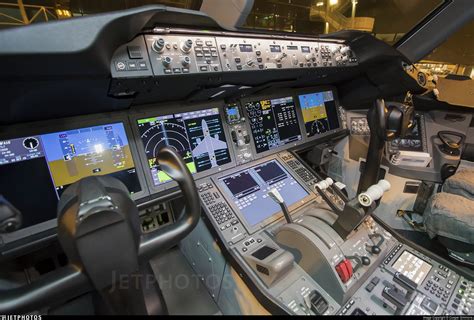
221 212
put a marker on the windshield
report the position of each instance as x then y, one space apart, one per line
388 20
23 12
455 56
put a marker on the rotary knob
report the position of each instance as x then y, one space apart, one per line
309 57
186 46
185 61
250 63
166 61
158 45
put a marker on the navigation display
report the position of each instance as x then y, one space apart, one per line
319 112
198 136
412 267
35 170
248 189
274 123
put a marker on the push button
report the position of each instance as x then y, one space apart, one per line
134 52
132 66
142 65
120 66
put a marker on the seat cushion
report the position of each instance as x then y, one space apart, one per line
461 183
451 216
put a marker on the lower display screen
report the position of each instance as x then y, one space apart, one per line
319 112
198 136
249 190
35 170
412 267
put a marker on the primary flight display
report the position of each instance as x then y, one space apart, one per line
42 166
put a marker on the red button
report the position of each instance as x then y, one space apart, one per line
344 270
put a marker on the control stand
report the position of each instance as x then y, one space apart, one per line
332 254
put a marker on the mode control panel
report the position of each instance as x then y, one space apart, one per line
241 54
182 54
178 54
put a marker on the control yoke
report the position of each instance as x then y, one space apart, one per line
99 229
386 122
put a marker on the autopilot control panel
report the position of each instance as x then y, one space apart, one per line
179 53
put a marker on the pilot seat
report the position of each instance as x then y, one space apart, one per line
449 215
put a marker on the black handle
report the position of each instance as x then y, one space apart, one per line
396 297
451 147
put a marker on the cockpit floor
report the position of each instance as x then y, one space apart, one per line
184 292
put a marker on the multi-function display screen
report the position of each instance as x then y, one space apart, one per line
35 170
412 267
248 189
319 112
273 122
198 136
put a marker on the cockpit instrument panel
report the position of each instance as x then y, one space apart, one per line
273 123
198 136
35 170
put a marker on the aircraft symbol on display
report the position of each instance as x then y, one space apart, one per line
208 145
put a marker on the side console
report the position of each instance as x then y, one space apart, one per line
410 283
